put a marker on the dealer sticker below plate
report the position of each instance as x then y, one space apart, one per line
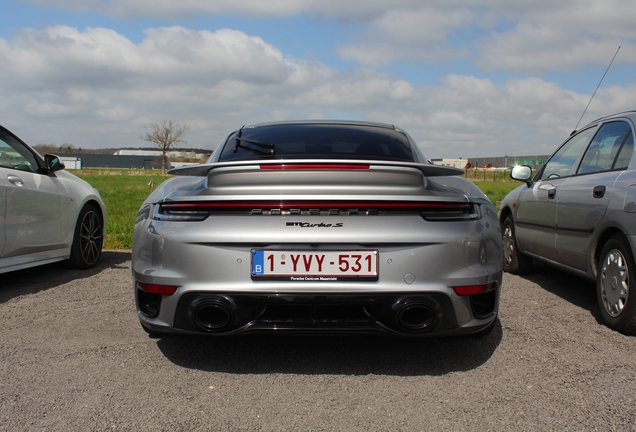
315 266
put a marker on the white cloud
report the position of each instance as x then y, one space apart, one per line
559 36
538 48
418 36
529 37
523 36
96 88
337 9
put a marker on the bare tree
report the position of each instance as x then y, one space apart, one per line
46 148
165 135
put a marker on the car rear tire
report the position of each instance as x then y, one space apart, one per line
615 274
88 239
513 261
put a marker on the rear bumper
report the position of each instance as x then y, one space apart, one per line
210 266
407 314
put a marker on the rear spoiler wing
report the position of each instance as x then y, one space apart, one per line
428 170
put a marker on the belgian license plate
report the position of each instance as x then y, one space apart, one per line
325 266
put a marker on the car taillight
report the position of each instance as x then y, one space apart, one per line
453 212
431 211
180 213
475 289
156 289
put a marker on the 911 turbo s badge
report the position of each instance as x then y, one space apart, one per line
315 225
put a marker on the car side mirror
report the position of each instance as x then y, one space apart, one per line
521 173
53 163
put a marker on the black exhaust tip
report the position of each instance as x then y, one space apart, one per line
212 316
415 316
213 313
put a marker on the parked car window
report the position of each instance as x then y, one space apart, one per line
604 148
14 155
561 163
625 153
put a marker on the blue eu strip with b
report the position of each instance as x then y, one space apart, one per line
257 262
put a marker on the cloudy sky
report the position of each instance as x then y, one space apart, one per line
466 78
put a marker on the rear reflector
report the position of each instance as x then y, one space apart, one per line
313 166
475 289
156 289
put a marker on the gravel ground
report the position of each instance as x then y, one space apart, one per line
73 357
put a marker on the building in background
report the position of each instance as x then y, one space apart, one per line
90 160
172 154
495 162
134 159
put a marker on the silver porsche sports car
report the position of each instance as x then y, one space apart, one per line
317 226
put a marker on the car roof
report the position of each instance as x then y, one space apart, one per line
631 114
323 122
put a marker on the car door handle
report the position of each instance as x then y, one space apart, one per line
598 192
15 180
550 188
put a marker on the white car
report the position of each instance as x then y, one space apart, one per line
46 214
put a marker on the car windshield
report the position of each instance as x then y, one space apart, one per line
317 141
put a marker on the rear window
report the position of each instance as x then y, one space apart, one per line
318 141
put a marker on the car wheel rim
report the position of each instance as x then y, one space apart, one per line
90 237
614 283
508 244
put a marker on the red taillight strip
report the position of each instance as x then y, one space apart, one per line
304 205
156 289
308 166
475 289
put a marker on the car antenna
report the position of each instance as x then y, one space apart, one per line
599 84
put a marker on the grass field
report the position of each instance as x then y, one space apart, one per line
123 192
496 190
